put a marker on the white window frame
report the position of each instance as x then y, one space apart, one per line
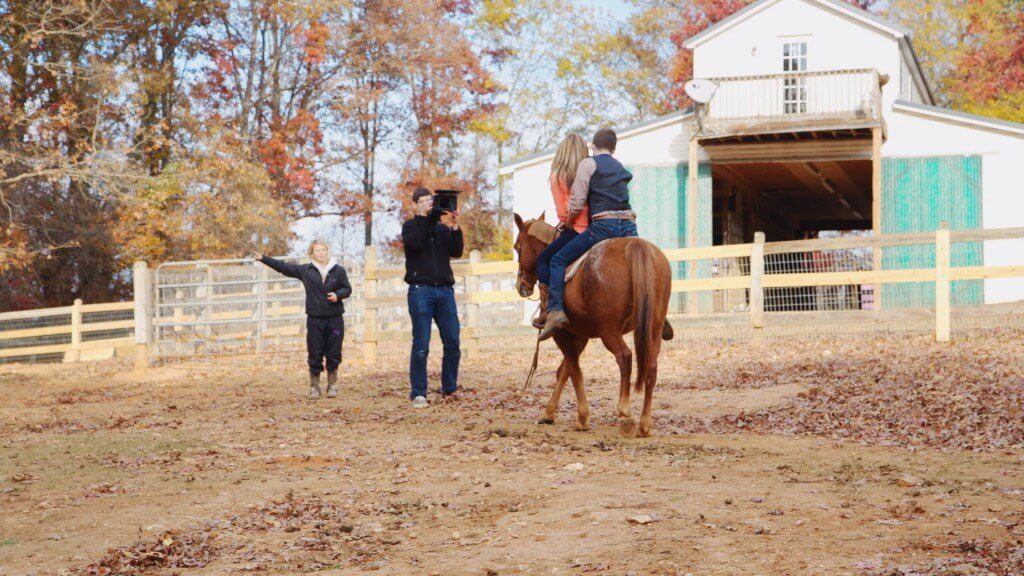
794 90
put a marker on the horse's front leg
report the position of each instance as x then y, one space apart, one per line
571 348
556 396
582 406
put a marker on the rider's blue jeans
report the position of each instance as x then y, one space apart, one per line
599 230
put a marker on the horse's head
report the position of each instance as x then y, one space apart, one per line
530 242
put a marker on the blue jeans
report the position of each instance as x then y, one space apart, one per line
544 259
433 304
599 230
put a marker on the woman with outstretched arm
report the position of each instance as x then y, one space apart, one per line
326 284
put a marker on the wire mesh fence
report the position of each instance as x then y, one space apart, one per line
224 308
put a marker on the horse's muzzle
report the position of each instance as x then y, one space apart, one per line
525 290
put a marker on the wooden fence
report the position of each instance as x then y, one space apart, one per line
754 283
66 331
84 331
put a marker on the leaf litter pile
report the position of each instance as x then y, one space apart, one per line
889 392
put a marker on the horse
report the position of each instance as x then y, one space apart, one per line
622 285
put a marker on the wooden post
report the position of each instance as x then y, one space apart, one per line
208 292
75 354
757 286
876 208
142 293
370 313
261 305
473 309
691 216
942 313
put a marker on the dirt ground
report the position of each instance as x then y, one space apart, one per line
788 458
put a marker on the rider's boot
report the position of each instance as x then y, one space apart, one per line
542 317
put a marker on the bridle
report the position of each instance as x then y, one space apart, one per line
520 276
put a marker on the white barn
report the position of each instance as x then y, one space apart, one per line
822 121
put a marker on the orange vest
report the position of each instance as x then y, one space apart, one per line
560 193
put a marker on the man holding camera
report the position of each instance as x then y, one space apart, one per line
429 246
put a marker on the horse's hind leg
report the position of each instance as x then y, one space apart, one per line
624 357
571 348
556 396
646 421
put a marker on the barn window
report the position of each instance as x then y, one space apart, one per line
794 89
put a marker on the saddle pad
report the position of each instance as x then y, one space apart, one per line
573 268
543 231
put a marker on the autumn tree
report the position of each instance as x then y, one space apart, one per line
972 52
62 148
366 99
268 80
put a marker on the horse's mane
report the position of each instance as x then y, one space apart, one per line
542 231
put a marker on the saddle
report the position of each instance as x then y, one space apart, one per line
547 233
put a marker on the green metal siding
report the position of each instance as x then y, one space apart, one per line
918 194
658 196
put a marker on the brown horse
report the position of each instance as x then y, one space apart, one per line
622 286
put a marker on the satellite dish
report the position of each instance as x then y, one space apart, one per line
700 90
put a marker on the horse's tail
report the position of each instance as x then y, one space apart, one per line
642 275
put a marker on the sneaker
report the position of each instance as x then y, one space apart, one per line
419 402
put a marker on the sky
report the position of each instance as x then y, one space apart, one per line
327 228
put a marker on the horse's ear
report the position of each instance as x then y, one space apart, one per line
519 222
542 214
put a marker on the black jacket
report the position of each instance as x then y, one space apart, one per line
429 246
317 304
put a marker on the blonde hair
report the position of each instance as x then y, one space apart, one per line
316 243
571 152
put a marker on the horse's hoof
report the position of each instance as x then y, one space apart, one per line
546 421
645 428
582 427
628 428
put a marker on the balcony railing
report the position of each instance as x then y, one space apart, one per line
843 97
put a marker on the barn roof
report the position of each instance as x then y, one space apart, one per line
626 132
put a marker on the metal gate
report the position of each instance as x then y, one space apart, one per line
218 307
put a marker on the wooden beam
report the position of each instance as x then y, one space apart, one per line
745 152
707 252
942 283
691 210
990 234
109 307
876 205
40 313
854 193
757 282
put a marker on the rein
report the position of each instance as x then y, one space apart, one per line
545 233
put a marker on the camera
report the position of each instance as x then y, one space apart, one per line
446 201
